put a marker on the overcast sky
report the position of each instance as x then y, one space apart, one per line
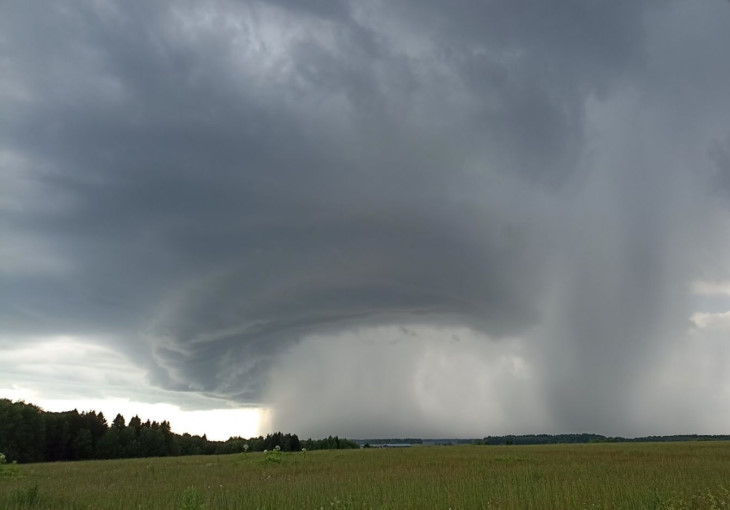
370 218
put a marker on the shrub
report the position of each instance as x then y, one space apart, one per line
7 470
274 455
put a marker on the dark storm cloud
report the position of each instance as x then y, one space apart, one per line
720 154
202 184
530 66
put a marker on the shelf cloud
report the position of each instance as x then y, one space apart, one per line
404 218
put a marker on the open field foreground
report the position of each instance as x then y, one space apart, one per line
637 476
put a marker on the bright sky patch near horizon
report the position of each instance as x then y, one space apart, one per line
369 218
216 424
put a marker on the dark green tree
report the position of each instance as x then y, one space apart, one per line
119 423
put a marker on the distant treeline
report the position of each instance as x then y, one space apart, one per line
591 438
30 434
392 440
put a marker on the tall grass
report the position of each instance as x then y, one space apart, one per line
602 476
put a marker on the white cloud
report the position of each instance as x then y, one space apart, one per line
705 288
217 424
64 373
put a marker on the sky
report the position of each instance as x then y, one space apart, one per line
368 218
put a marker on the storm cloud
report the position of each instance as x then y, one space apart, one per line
377 217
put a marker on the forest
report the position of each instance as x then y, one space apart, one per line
30 434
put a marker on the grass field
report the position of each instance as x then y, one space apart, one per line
625 475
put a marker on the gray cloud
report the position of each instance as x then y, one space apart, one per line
208 187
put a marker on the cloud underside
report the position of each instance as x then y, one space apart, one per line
239 197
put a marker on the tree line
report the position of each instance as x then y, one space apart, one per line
30 434
535 439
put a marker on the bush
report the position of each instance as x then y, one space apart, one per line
273 455
7 470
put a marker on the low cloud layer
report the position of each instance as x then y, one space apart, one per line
375 218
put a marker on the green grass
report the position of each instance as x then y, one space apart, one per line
596 476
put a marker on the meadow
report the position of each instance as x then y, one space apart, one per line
589 476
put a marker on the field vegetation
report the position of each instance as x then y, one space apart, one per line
691 475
